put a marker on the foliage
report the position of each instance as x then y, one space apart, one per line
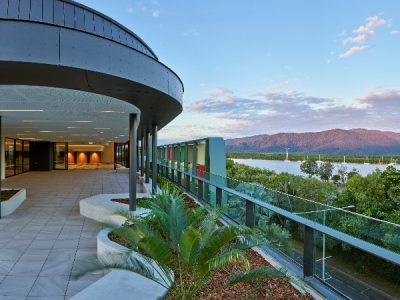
325 170
309 167
336 178
375 195
190 242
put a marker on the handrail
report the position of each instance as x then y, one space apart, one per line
308 200
344 237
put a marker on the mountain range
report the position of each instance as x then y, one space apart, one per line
335 141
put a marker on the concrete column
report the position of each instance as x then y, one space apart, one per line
137 153
147 175
132 158
154 158
142 156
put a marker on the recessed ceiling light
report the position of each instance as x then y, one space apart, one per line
80 121
49 131
101 132
71 127
100 128
21 110
22 134
113 111
121 135
28 138
35 121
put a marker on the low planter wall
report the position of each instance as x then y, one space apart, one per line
101 209
109 252
10 205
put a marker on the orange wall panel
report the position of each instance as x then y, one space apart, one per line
81 158
71 159
94 158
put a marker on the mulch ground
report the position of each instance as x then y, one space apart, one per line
126 200
7 194
265 289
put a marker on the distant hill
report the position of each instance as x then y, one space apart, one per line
335 141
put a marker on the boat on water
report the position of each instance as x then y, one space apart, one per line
287 155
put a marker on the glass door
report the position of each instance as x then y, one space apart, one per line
61 156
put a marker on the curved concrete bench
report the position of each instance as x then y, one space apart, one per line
100 208
9 206
122 284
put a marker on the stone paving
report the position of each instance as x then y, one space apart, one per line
43 243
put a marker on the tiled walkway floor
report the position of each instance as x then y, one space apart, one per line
45 240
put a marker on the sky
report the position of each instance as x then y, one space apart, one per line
264 67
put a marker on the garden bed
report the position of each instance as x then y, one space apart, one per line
7 194
11 199
215 288
126 200
278 288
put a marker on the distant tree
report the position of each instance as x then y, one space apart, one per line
352 173
309 167
342 172
325 170
336 178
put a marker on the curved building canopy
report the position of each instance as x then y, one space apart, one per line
63 62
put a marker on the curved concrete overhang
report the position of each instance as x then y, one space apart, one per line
66 45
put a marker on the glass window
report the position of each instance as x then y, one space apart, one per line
26 156
9 157
18 157
60 156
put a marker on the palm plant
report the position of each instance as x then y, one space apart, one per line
191 243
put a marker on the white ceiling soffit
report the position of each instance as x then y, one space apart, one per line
54 114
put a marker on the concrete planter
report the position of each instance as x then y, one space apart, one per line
121 284
100 208
9 206
109 252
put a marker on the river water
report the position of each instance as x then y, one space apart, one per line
293 167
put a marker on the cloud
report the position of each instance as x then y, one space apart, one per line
362 34
354 50
395 32
294 111
130 9
156 13
219 91
368 30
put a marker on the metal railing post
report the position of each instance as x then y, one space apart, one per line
187 183
250 214
218 197
309 252
200 190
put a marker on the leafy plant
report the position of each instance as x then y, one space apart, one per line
191 243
